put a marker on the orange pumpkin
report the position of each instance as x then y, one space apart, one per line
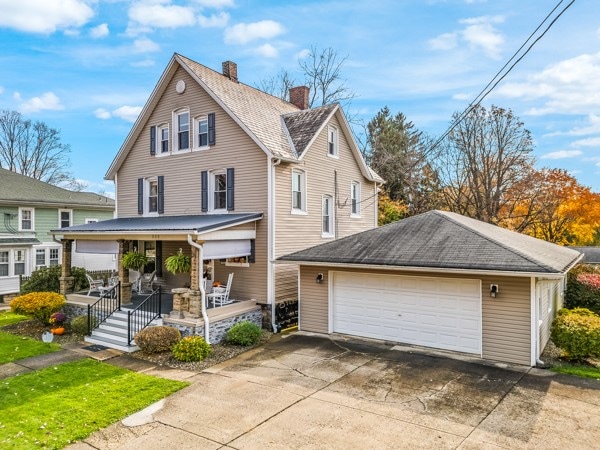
59 330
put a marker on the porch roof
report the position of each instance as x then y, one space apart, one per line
161 224
4 241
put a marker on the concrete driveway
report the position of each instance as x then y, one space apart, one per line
312 392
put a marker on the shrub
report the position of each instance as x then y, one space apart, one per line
39 305
191 348
583 288
157 339
244 333
79 324
46 279
577 332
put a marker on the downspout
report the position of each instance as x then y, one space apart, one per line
271 239
201 286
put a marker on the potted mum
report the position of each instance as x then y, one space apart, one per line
57 320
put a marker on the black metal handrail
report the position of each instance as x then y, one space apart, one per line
140 317
108 303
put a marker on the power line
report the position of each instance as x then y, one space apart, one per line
495 80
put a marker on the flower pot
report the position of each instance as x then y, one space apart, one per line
58 330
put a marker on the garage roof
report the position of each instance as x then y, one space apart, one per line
440 239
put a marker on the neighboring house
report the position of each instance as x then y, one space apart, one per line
243 174
438 280
30 209
591 255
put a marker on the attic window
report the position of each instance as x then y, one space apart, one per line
332 142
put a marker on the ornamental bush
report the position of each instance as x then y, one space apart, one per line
583 288
157 339
577 332
39 305
46 279
191 348
244 333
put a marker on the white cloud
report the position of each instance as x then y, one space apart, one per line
161 14
571 86
242 33
71 32
562 154
589 142
144 45
461 96
44 16
143 63
592 127
102 113
100 31
47 101
217 4
303 53
214 21
128 113
267 51
445 41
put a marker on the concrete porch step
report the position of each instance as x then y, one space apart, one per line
112 343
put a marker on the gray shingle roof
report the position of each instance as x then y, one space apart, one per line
443 240
591 255
18 240
200 223
17 188
303 125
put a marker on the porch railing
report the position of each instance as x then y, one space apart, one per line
108 303
140 317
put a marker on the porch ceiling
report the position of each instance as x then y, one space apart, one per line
159 227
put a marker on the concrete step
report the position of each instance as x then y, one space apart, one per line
110 334
111 343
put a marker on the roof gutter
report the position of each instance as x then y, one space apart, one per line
201 286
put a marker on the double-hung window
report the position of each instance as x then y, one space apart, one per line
4 263
219 188
183 130
40 258
153 196
327 229
201 131
298 191
54 257
355 199
163 139
64 218
332 142
19 262
26 216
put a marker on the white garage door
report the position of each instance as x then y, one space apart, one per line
434 312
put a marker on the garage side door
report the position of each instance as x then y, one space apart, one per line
434 312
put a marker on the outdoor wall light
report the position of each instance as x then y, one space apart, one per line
493 290
319 278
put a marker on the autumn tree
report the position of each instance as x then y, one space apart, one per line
390 210
550 204
34 149
484 156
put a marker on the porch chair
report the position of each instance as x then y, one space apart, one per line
112 282
147 282
134 279
95 285
221 294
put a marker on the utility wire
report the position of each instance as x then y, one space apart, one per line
497 78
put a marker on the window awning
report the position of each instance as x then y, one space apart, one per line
100 247
12 241
227 249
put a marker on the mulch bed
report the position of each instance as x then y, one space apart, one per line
221 352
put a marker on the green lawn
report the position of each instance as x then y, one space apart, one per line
55 406
17 347
9 317
580 370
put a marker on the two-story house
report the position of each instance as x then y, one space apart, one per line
236 178
30 209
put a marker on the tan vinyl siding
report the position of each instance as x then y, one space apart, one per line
181 172
506 324
551 301
286 285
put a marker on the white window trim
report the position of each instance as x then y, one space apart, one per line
12 261
147 182
7 263
90 220
211 192
60 211
355 215
32 219
196 122
331 234
158 141
175 134
303 211
35 261
336 143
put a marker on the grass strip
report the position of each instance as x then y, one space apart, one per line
580 370
56 406
13 348
9 317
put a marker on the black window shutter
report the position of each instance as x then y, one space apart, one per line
211 129
159 261
252 256
153 141
230 184
140 196
204 179
161 195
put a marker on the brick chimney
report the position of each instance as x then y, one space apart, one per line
230 70
299 96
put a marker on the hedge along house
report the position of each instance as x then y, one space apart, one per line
437 280
218 167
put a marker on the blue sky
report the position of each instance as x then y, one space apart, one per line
87 67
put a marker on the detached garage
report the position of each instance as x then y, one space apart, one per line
438 280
